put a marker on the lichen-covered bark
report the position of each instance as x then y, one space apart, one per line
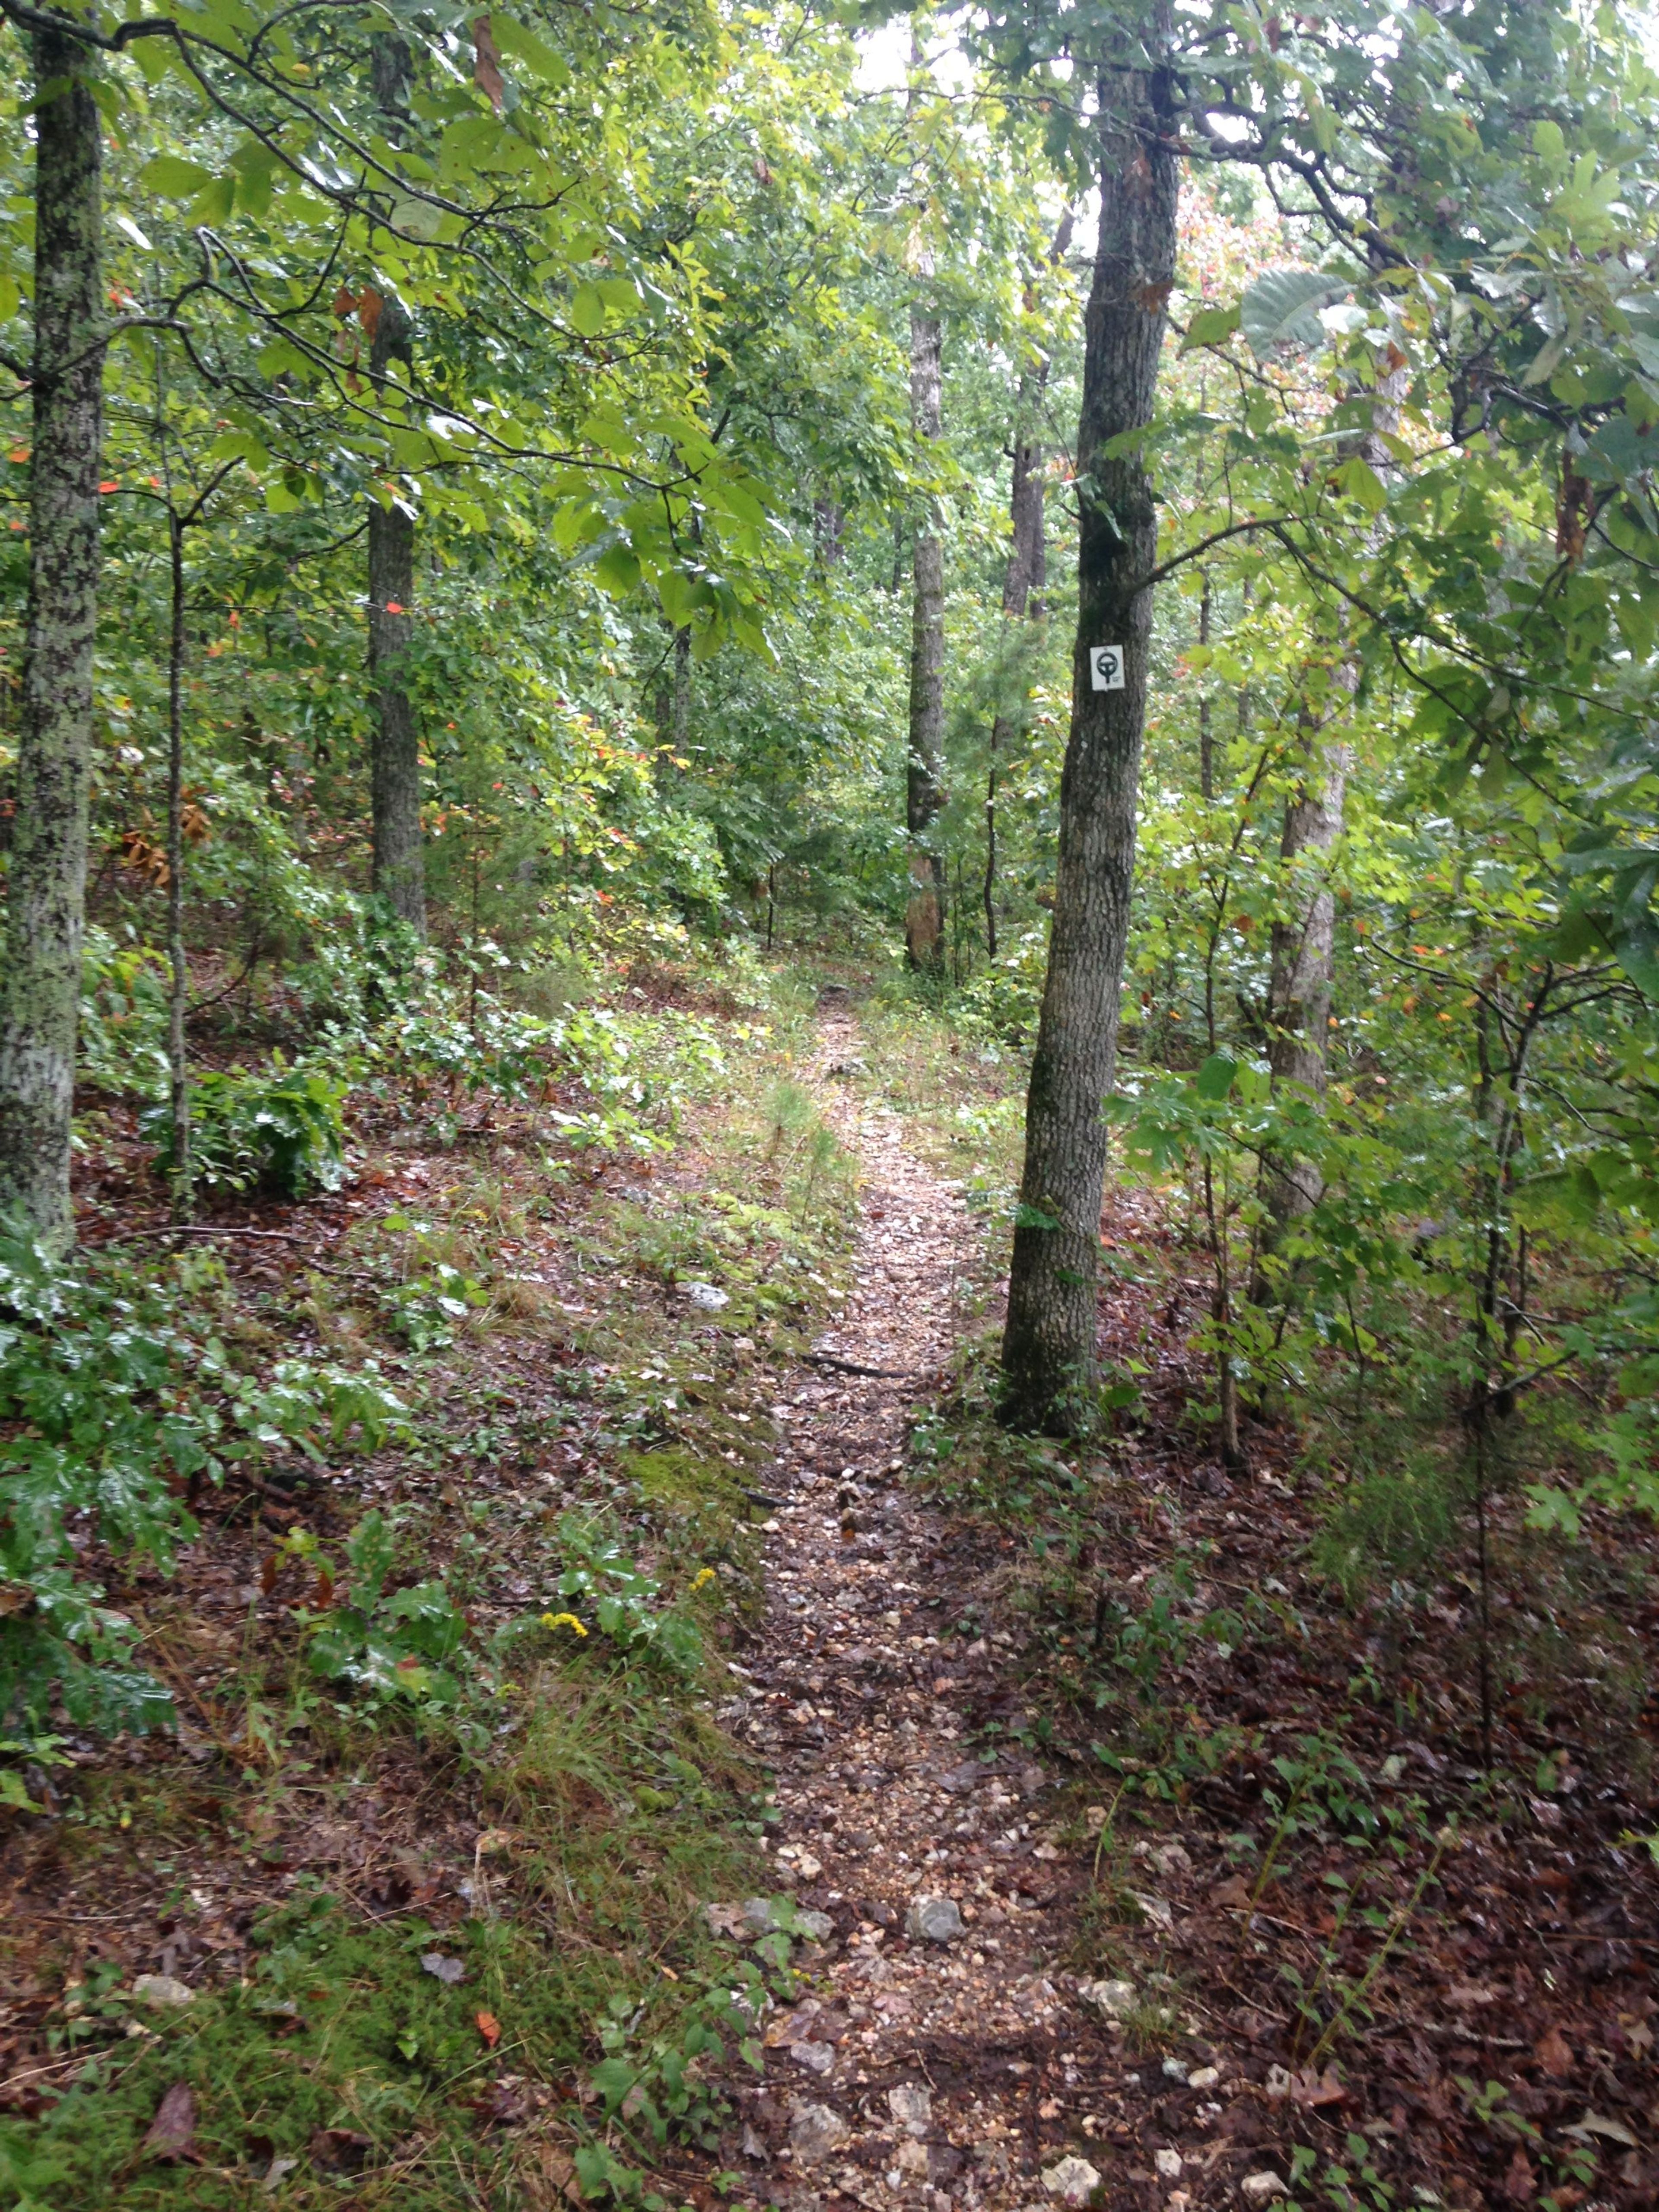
46 906
1049 1343
924 920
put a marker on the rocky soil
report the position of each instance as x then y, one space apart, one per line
944 2056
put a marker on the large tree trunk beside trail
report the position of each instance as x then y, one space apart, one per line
46 918
1049 1343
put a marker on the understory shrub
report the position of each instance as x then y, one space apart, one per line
120 1400
281 1131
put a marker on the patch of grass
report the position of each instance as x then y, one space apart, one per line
344 2061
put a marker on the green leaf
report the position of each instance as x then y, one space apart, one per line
535 53
214 202
1211 327
174 178
618 571
587 311
1359 480
1033 1217
1281 309
1215 1079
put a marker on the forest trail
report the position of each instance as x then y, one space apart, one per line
918 2072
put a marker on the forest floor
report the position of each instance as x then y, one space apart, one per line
1130 1864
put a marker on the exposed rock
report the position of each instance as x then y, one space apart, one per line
1205 2078
815 2131
1110 1999
162 1989
706 1297
1168 2163
912 2108
934 1919
1074 2181
1262 2188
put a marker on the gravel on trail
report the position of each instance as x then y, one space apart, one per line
944 2058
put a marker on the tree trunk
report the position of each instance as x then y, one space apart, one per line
924 920
400 863
1048 1344
46 909
398 870
1304 967
1299 990
1206 735
178 961
1027 571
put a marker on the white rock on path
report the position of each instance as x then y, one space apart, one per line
1262 2188
935 1919
1073 2181
1168 2163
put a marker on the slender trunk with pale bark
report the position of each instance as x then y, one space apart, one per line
399 863
1048 1344
924 920
1027 571
1024 575
1303 957
178 961
45 917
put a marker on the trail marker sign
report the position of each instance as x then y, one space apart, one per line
1106 667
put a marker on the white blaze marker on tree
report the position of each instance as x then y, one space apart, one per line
1106 667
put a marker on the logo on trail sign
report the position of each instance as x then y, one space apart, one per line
1106 667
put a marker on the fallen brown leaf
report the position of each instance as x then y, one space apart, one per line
173 2131
1314 2091
1554 2054
1520 2184
489 2027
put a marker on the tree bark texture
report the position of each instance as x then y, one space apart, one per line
398 864
46 915
1049 1343
924 920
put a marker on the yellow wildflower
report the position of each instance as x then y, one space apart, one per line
563 1620
705 1576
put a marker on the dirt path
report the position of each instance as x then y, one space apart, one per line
922 2071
